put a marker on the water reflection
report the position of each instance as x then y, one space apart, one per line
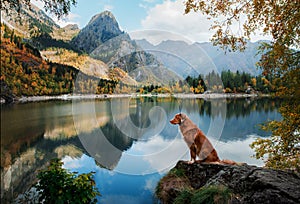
100 140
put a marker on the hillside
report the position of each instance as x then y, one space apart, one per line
66 33
25 72
87 65
83 62
29 22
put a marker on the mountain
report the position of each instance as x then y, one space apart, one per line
102 39
102 46
84 63
201 58
66 33
100 29
31 21
25 73
242 61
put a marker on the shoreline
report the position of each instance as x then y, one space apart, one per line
68 97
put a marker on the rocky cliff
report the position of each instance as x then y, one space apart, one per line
101 28
213 183
103 40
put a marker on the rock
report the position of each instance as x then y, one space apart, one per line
248 184
101 28
6 94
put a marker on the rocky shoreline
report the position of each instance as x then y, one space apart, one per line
25 99
228 183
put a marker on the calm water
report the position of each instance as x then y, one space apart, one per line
129 143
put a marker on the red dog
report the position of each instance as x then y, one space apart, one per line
198 143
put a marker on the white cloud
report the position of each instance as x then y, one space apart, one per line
108 7
144 6
149 1
170 16
238 150
71 18
38 3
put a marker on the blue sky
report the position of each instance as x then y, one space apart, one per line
165 16
128 13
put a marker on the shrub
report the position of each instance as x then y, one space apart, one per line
58 185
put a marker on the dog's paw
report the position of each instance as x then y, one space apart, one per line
191 162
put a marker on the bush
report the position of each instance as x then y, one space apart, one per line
58 185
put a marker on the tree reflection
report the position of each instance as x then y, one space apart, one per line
32 134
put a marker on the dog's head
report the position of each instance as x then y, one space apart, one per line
178 118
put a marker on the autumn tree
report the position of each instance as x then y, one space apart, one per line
58 7
280 61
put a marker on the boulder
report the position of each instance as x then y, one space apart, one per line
247 184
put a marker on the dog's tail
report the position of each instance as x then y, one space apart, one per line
227 161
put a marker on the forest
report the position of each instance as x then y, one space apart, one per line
26 73
231 82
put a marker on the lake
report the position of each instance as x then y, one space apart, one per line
128 142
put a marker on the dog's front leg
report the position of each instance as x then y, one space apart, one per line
193 151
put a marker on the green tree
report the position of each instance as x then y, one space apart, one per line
280 60
57 7
57 185
237 80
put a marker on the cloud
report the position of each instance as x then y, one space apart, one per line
238 150
108 7
144 6
162 154
38 3
71 18
170 16
149 1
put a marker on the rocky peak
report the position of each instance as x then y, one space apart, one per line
101 28
107 15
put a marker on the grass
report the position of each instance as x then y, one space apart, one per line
185 196
176 188
205 195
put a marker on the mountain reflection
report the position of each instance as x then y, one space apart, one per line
34 133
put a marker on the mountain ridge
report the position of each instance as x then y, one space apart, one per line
144 62
102 39
190 55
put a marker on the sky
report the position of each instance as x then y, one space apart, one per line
155 20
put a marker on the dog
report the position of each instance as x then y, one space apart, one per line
197 142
